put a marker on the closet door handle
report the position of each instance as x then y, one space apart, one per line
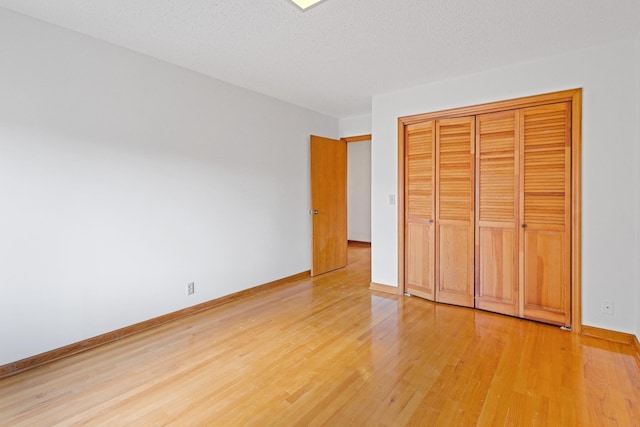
524 225
431 221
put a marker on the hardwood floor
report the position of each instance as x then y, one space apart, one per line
328 351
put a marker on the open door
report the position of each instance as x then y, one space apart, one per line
328 204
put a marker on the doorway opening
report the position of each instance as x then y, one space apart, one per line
329 199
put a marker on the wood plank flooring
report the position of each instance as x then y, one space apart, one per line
328 351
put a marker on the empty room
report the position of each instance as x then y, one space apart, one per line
334 212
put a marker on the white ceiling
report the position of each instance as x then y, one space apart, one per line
334 57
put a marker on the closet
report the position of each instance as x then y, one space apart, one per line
488 212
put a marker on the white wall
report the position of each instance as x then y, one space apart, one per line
355 125
122 178
359 191
610 167
638 186
359 177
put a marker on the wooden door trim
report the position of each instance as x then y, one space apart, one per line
137 328
576 211
357 138
494 107
575 97
401 207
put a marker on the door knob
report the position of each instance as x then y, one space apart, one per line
316 211
430 221
524 225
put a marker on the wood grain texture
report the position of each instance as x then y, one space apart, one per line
576 211
358 242
402 208
420 209
420 264
75 348
455 201
545 213
378 287
497 167
357 138
497 226
571 95
328 351
574 96
609 335
329 200
420 168
497 286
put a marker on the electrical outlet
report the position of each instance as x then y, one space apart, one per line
606 306
191 288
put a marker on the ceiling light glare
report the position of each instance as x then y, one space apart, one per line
306 4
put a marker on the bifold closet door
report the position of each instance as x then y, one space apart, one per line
497 221
455 211
419 209
545 212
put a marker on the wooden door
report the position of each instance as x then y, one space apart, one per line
497 221
545 213
455 211
419 209
328 204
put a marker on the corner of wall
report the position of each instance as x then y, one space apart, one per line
637 145
127 199
355 125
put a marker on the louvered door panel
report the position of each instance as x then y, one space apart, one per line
545 205
455 211
497 182
419 188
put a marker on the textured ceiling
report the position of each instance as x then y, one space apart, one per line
334 57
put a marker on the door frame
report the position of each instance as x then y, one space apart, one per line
572 95
348 140
357 138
